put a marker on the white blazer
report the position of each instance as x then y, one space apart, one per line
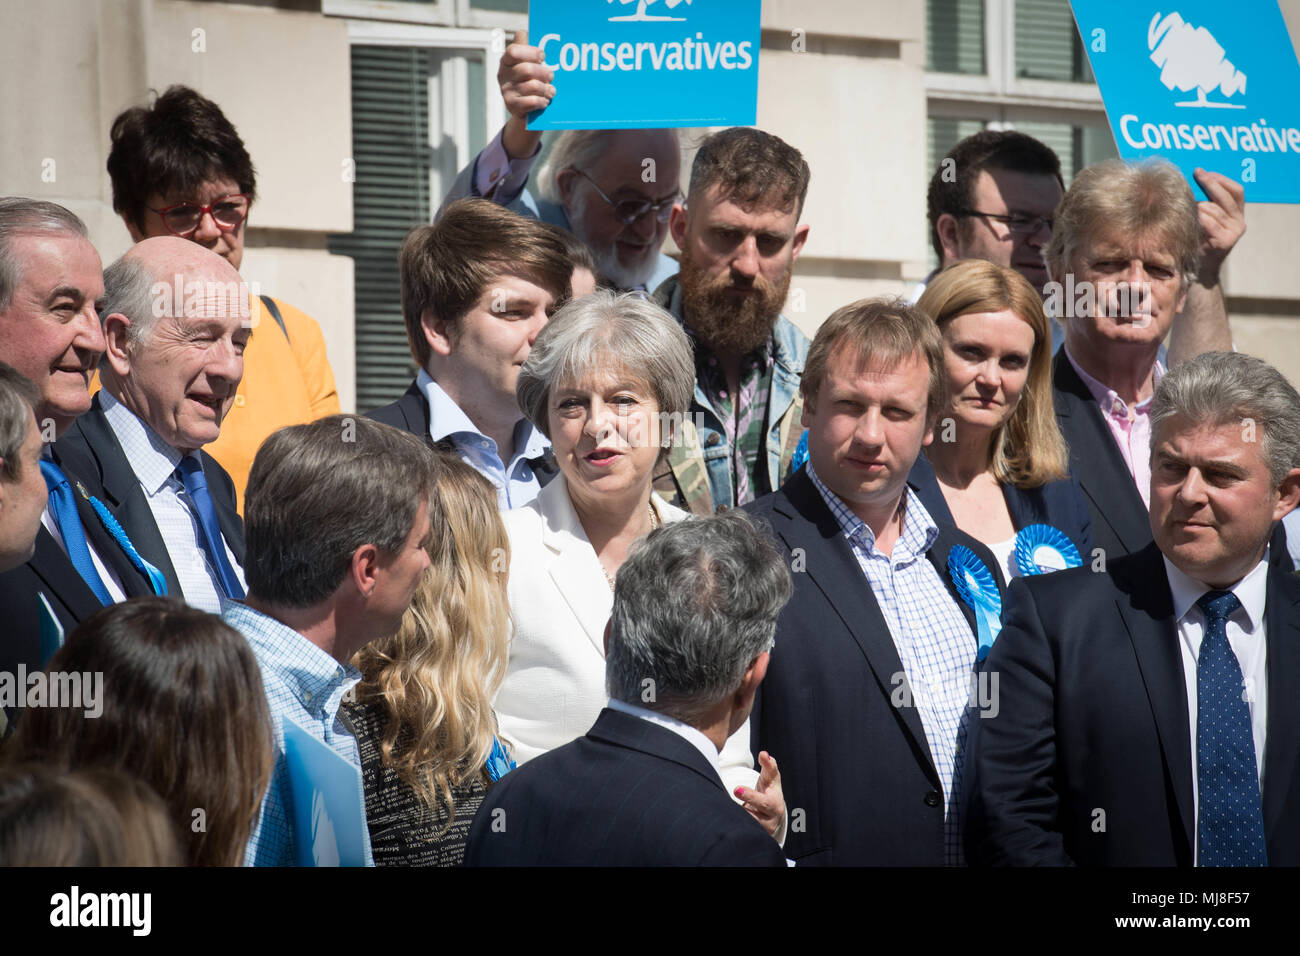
560 601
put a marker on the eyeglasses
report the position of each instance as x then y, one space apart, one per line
630 210
1021 225
183 218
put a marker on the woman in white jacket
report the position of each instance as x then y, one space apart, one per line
607 381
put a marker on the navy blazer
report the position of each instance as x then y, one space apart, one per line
1059 503
91 446
50 572
410 413
629 793
856 771
1093 717
1120 524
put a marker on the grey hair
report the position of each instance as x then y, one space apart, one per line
694 603
1119 198
20 216
604 329
19 399
572 148
127 290
1218 388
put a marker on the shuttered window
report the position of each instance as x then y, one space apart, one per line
955 36
400 179
1047 43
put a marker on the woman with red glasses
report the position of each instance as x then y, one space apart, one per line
179 168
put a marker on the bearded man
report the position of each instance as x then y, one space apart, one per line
739 234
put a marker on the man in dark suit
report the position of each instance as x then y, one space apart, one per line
642 787
866 700
1130 254
477 288
50 333
1148 714
175 329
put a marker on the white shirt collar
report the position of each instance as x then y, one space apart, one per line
1251 591
152 459
446 418
690 734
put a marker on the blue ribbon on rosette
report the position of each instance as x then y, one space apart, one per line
498 762
978 591
1042 549
800 456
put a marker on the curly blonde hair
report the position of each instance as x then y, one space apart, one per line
438 674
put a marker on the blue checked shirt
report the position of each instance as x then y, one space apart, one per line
934 640
305 683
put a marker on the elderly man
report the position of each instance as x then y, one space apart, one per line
993 196
614 189
22 488
179 168
642 787
176 321
1127 237
1149 714
49 281
477 288
324 579
866 704
739 235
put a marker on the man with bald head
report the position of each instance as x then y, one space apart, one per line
612 188
176 321
50 334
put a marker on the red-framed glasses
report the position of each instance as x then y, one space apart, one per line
183 218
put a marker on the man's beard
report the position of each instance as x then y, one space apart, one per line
608 267
724 322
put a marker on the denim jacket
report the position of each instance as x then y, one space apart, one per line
696 474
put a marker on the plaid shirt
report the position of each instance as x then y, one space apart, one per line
305 683
745 418
933 638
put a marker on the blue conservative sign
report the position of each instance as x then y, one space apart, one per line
645 64
1201 83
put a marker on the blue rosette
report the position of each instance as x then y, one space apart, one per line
498 763
1042 549
800 453
978 591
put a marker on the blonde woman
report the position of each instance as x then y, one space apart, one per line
423 716
998 463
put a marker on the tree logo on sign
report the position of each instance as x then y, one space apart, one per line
1191 59
642 17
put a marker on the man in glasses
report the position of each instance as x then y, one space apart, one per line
739 233
994 197
179 168
613 189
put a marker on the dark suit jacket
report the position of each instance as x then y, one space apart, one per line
1058 503
410 413
1120 524
858 767
49 572
1093 718
93 450
629 793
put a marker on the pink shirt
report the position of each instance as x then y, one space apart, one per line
1130 426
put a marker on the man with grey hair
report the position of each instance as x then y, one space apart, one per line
325 578
1148 712
176 320
49 332
1126 247
695 610
613 189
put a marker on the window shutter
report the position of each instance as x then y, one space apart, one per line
954 41
1047 43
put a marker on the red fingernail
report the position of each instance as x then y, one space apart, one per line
740 792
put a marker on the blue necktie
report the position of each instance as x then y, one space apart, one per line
1230 821
196 486
64 506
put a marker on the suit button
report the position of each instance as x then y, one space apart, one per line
713 439
933 799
